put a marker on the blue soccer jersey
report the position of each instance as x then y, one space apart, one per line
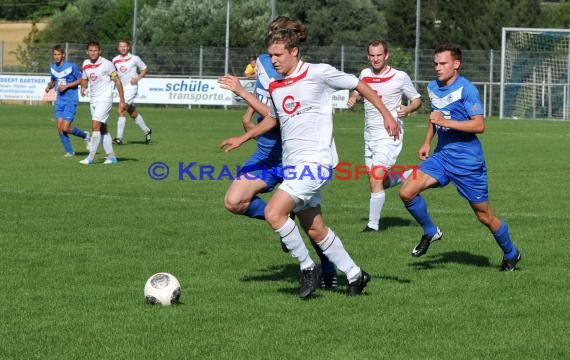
268 144
458 101
65 73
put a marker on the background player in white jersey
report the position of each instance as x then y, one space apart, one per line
380 149
131 70
99 74
301 103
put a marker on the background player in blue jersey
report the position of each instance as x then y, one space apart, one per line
65 77
456 117
242 195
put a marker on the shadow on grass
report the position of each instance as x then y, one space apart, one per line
286 272
457 257
391 221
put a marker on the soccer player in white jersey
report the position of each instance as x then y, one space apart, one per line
99 75
131 70
301 103
380 149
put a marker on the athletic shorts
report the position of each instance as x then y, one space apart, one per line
100 111
65 111
382 150
130 96
304 183
259 166
471 184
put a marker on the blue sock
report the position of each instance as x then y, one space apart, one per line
504 240
256 208
418 208
78 132
66 143
326 265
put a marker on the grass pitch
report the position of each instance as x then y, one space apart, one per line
77 244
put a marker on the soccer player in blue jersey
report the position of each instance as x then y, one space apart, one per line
456 117
242 195
65 77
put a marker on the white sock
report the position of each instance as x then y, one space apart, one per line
108 145
121 126
291 237
140 122
94 144
376 205
332 247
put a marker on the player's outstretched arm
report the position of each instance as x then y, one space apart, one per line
475 124
233 84
262 127
390 124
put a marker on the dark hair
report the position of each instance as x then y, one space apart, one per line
59 48
375 43
453 49
93 43
286 30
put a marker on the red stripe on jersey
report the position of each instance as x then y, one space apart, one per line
91 66
374 80
122 60
276 84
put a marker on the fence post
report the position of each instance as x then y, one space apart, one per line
1 55
342 58
490 112
200 61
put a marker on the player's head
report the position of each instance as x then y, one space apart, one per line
58 54
123 47
283 39
447 61
93 50
378 54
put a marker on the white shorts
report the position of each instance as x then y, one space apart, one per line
100 111
382 150
130 95
304 183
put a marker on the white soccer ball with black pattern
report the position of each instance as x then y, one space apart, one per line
162 288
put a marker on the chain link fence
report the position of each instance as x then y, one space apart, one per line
480 66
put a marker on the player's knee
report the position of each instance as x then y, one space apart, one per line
233 205
406 195
485 218
274 218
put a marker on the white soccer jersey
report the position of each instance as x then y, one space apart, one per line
302 102
99 75
390 85
128 67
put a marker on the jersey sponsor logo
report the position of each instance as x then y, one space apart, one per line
93 77
289 105
377 80
123 69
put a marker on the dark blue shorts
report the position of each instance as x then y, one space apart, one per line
470 183
259 166
65 111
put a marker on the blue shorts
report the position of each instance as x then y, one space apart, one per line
65 111
471 184
260 166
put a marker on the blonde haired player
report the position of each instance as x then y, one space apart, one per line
131 70
99 74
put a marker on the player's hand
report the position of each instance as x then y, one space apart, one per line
393 128
436 118
231 143
351 102
134 81
232 83
47 89
403 111
423 152
62 87
83 91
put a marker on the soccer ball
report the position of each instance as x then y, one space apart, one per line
162 288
